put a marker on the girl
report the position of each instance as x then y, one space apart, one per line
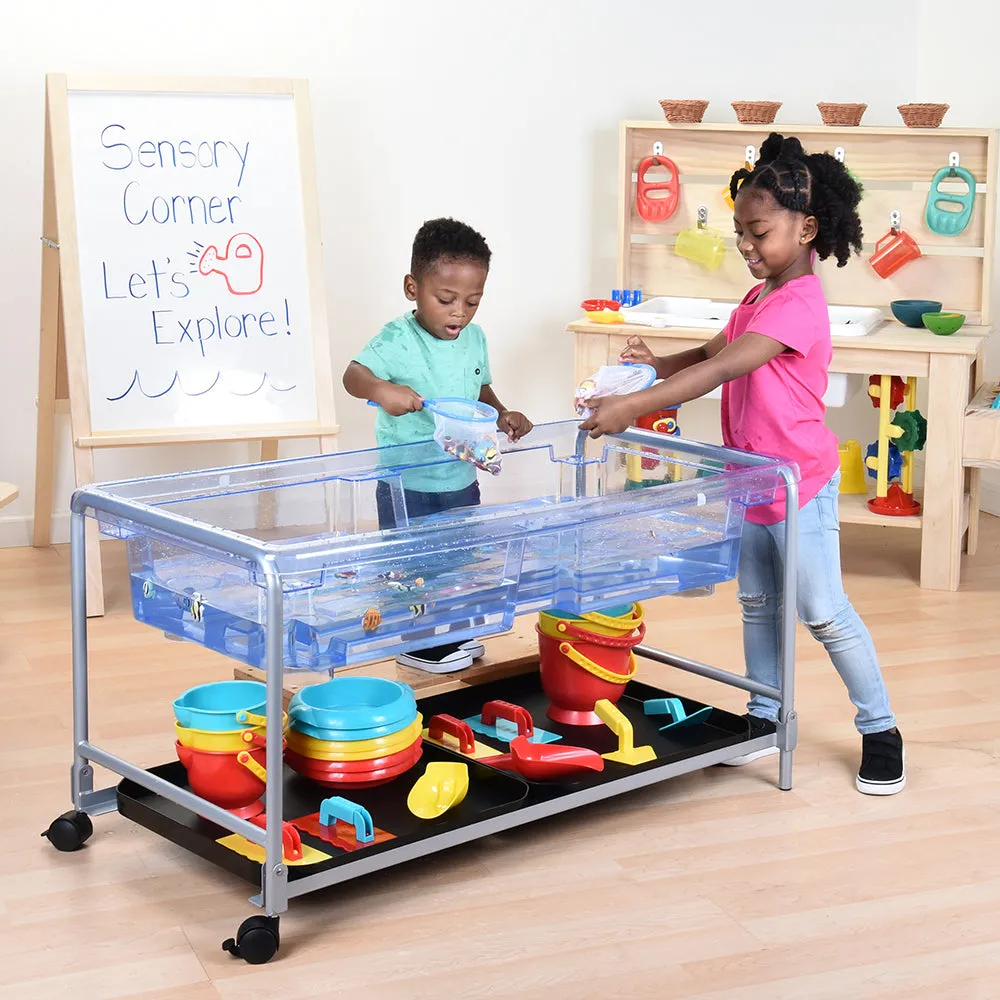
772 361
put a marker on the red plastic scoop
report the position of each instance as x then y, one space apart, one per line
541 761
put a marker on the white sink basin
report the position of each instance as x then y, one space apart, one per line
697 314
840 389
845 321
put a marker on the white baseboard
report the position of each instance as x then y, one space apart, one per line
17 531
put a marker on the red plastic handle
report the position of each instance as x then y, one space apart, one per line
596 305
885 240
657 209
494 710
291 842
441 724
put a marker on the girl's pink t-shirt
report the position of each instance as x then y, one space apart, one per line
778 409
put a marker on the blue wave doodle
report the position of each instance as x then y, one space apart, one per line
175 382
265 379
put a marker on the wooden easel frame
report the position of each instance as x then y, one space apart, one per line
62 362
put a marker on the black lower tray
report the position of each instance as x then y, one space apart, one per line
492 792
720 729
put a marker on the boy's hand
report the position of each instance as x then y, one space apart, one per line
636 352
398 399
514 424
611 415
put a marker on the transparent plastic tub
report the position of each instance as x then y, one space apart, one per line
563 526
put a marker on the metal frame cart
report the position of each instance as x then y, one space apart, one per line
537 549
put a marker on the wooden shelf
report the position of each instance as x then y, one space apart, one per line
854 510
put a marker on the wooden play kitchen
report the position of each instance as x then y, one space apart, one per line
362 771
928 213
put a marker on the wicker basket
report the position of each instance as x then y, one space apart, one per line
684 112
923 115
841 114
756 112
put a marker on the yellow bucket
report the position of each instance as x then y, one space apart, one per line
381 746
592 621
221 741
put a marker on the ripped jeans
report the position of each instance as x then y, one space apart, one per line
822 607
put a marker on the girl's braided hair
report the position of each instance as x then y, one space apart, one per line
816 184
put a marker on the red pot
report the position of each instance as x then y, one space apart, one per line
222 779
411 754
577 673
316 770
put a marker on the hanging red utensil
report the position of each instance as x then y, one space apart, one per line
660 207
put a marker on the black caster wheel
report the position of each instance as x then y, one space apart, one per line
256 941
70 831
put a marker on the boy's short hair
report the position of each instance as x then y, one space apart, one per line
439 239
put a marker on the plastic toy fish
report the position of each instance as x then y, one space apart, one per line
371 620
483 454
196 607
347 574
584 391
417 610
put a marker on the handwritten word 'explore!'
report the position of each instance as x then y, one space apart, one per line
169 328
140 207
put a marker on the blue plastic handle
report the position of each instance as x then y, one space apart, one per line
336 807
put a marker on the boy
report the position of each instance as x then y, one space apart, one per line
432 352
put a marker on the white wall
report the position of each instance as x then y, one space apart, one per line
503 114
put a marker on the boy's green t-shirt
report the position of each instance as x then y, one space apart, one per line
404 353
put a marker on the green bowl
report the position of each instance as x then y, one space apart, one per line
943 323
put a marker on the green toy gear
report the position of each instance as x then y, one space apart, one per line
914 427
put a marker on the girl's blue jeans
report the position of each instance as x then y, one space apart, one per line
821 604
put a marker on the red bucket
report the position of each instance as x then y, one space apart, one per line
222 779
579 673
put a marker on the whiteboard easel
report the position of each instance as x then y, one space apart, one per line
230 341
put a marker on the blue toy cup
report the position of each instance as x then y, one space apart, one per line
214 707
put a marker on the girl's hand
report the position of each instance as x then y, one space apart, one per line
611 415
514 424
637 352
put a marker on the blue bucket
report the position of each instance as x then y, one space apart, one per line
214 707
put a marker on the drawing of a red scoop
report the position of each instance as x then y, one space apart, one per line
242 264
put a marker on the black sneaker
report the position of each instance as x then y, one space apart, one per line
758 727
883 763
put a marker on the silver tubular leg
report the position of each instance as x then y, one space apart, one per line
82 773
787 719
274 880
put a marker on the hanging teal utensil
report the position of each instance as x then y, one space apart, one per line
944 221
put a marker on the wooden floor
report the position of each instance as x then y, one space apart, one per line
715 885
